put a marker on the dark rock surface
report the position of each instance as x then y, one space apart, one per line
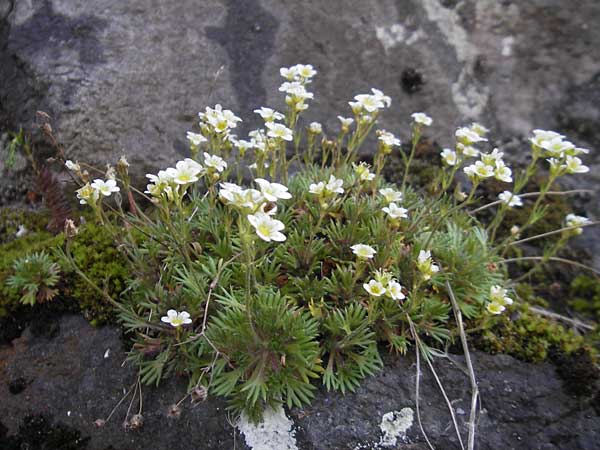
71 381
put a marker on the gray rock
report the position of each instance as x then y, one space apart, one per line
72 380
129 77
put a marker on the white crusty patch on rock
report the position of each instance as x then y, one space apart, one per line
274 433
394 426
470 98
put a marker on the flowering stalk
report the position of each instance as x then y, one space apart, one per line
534 216
415 140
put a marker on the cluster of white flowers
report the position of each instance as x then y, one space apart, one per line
297 77
392 198
490 165
426 265
573 220
325 190
562 154
217 120
255 204
367 104
498 300
388 140
467 137
173 182
384 284
91 193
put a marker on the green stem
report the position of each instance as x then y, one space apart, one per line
415 141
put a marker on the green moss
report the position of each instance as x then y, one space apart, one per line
94 252
11 219
584 296
12 248
529 337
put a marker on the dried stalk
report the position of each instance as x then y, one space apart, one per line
474 388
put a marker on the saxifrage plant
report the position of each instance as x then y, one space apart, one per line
257 281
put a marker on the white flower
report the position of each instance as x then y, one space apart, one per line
346 122
579 150
467 150
317 188
495 308
185 172
421 118
243 145
479 170
334 185
362 170
279 131
296 90
315 127
369 103
195 138
467 136
391 195
426 265
363 251
214 162
220 119
498 295
502 172
394 290
574 165
492 158
74 167
234 195
268 114
267 228
87 194
395 212
105 187
387 101
176 319
510 199
557 146
289 73
539 136
573 220
389 139
22 230
304 71
449 156
375 288
556 165
479 129
272 191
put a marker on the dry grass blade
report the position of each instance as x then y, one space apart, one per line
418 385
474 387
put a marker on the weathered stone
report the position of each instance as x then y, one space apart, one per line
129 77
